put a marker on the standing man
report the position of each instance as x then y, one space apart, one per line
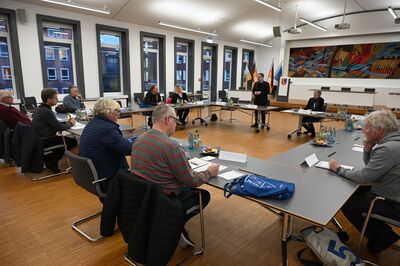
381 177
74 99
161 159
9 114
315 103
260 92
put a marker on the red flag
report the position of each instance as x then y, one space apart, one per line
271 77
254 76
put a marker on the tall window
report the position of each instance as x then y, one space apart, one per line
247 66
111 62
182 65
206 65
151 63
6 77
228 69
59 55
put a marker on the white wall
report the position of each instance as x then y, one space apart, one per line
30 57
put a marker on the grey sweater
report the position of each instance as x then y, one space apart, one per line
382 168
73 102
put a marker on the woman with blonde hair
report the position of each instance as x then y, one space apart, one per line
180 97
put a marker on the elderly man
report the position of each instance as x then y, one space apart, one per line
382 172
8 114
74 99
102 141
161 159
315 103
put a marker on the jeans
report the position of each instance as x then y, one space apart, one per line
190 201
262 117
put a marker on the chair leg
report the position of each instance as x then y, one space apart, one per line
67 171
337 224
371 206
83 220
126 257
203 240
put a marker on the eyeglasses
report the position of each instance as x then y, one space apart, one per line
117 110
174 118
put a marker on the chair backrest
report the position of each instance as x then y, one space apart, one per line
170 94
346 89
242 88
29 103
222 96
369 90
84 174
138 97
234 99
325 88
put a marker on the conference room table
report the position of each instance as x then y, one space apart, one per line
319 193
308 113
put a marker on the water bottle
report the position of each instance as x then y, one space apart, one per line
130 106
196 140
191 141
321 133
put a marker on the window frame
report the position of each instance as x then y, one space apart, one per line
161 59
55 73
15 59
61 75
77 57
124 60
233 67
251 66
214 69
189 64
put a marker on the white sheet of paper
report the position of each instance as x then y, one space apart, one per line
311 160
78 126
196 162
208 158
205 166
358 145
251 106
359 149
325 165
231 175
233 156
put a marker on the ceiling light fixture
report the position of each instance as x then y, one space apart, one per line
313 24
188 29
391 11
269 5
69 3
257 43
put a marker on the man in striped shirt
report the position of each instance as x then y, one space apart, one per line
161 159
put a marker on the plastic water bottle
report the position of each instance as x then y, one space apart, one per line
196 140
191 141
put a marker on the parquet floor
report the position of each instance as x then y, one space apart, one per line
36 217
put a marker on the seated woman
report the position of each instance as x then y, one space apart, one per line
315 103
180 97
153 98
102 141
46 125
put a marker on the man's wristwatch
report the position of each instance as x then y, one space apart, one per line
338 169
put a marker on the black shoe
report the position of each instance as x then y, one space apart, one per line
262 126
185 239
312 134
382 242
53 167
254 125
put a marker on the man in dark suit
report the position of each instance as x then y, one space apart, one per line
315 103
260 92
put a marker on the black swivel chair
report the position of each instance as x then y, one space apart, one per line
85 176
369 90
222 96
28 104
138 97
325 88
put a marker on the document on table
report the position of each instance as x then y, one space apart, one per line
196 162
208 158
359 149
78 126
233 156
325 165
231 175
205 166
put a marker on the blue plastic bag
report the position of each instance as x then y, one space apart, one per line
260 187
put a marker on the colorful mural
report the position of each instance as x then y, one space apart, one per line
370 60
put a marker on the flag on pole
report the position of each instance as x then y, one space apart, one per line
254 76
271 77
247 76
278 74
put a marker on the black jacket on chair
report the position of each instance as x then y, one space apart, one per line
150 221
27 148
5 141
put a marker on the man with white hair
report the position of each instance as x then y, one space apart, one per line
102 141
9 114
73 100
160 159
382 173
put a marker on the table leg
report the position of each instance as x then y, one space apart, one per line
284 239
297 130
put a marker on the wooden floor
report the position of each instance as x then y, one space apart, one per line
36 217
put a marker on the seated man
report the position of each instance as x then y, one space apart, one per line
46 125
181 97
102 141
74 99
382 172
315 103
153 98
9 114
162 160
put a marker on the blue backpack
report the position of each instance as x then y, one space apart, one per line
259 187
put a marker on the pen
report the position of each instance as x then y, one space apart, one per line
240 169
331 154
356 138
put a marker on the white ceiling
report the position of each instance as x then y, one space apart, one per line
232 19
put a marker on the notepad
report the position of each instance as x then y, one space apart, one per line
231 175
78 126
358 149
205 167
233 156
325 165
196 162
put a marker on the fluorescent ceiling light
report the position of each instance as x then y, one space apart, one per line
257 43
69 3
188 29
391 11
269 5
313 24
